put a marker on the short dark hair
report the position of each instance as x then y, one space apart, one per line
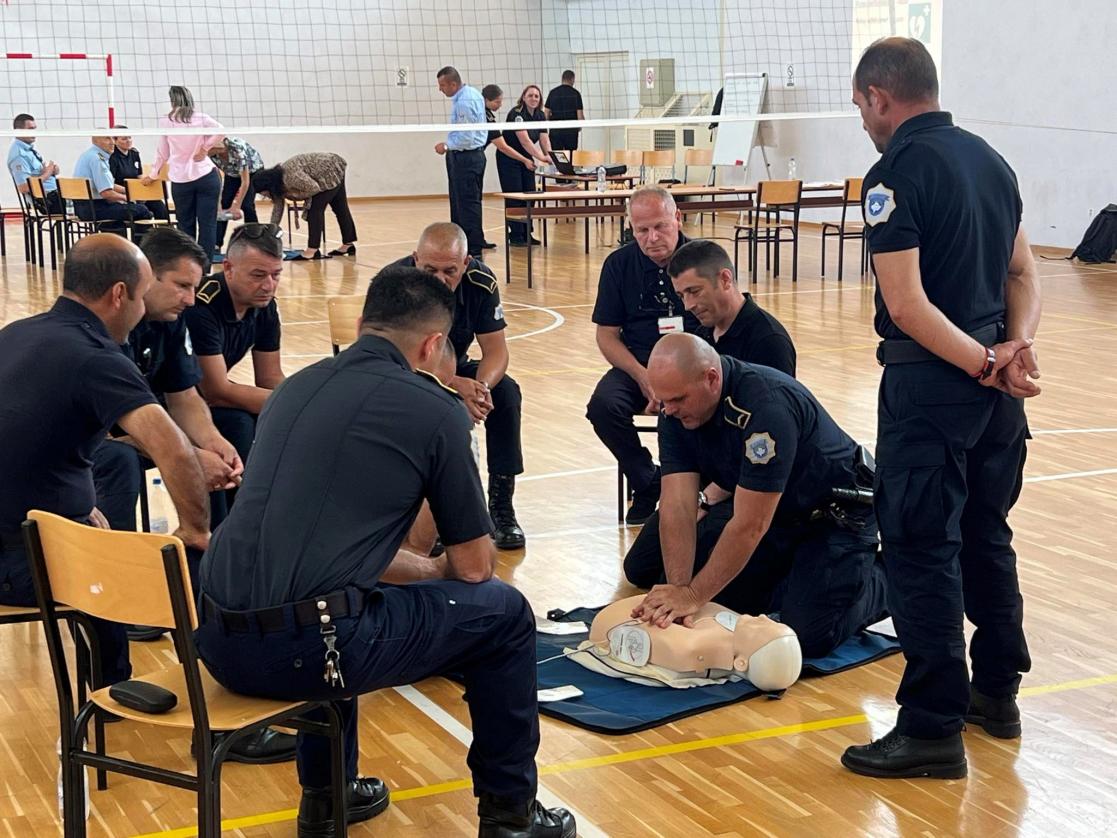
707 258
269 181
902 66
449 72
22 119
92 268
265 238
406 299
164 246
491 91
568 75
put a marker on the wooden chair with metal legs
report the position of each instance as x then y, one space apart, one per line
851 197
343 313
702 158
651 161
28 214
45 217
624 491
773 198
581 158
136 192
79 189
142 578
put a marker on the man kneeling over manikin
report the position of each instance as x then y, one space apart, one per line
788 533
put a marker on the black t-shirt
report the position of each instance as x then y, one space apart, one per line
492 135
64 383
756 337
345 452
215 330
564 102
164 354
633 293
522 115
125 165
948 193
768 434
477 308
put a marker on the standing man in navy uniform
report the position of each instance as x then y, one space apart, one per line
636 305
490 395
465 156
65 383
236 311
785 542
292 603
958 304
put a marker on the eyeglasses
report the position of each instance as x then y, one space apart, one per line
256 231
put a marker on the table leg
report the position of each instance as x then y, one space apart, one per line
527 206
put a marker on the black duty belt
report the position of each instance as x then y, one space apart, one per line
268 620
910 352
465 150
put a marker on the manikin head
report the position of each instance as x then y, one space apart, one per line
685 375
894 81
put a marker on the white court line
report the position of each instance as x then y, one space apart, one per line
579 531
1075 431
464 735
570 473
558 321
1067 476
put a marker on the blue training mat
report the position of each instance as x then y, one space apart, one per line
612 705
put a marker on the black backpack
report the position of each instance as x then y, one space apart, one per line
1100 239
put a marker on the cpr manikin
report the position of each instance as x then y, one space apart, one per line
722 645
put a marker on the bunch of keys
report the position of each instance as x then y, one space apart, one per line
332 673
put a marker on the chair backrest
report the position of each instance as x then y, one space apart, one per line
136 191
782 193
75 189
626 157
343 313
658 159
35 184
586 157
853 190
698 157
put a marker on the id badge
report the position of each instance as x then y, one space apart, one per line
667 325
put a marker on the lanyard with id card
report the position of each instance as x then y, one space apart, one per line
667 325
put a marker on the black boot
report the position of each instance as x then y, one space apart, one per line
507 535
502 818
644 502
897 756
367 797
999 716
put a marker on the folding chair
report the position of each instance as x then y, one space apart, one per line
343 313
778 197
851 197
141 578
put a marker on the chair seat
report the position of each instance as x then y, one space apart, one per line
25 613
152 221
227 710
851 226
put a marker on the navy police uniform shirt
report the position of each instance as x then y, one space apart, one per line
477 308
492 135
124 166
756 337
345 452
215 330
520 113
163 352
65 383
633 293
768 434
948 193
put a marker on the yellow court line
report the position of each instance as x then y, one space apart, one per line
654 752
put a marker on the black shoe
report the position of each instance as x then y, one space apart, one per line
352 251
264 747
534 240
644 502
507 534
999 716
488 246
367 798
145 634
504 819
897 757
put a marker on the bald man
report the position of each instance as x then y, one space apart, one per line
636 305
491 395
793 537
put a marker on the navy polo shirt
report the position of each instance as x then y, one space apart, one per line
756 337
947 192
477 308
345 452
633 293
65 383
215 330
125 166
492 135
522 114
164 354
768 434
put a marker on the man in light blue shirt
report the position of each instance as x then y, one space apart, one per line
109 202
465 156
24 162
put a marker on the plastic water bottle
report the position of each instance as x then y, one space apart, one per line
792 169
600 178
158 504
225 215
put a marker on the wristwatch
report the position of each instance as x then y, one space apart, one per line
703 503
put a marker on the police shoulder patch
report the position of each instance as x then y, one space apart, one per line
434 379
760 449
482 279
209 291
736 416
879 203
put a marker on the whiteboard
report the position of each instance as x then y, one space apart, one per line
744 95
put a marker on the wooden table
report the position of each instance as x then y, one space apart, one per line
612 202
627 180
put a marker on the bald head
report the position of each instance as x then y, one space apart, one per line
443 251
689 355
97 262
444 236
685 375
653 195
655 223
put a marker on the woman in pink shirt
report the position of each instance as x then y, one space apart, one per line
195 183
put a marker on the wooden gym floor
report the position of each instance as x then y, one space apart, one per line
757 768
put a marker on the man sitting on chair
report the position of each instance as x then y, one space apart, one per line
109 202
